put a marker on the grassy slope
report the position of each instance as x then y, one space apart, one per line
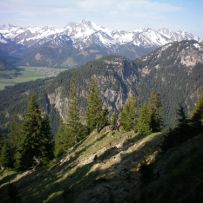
181 175
103 160
104 168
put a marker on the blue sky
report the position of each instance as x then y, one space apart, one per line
120 14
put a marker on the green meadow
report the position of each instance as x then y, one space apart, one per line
25 74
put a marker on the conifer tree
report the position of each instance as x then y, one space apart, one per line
73 118
31 135
150 119
182 119
197 115
5 158
73 130
34 137
129 114
145 120
63 140
14 136
155 106
183 130
103 119
46 146
96 115
180 133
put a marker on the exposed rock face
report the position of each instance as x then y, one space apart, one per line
118 77
192 56
59 102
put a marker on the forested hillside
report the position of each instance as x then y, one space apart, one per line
175 71
134 163
99 133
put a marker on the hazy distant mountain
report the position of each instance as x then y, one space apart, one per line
78 43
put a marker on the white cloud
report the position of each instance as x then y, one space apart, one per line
119 14
77 5
127 4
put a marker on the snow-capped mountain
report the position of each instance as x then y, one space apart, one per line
86 40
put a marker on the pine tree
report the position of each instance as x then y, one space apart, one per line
34 139
129 114
73 118
60 142
5 158
145 120
31 134
14 131
183 130
180 133
197 115
150 119
182 119
103 119
73 130
14 136
96 115
155 106
46 146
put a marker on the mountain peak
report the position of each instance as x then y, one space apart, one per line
87 22
89 40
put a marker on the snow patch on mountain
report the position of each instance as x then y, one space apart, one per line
196 45
86 33
3 40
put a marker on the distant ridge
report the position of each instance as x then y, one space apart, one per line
77 43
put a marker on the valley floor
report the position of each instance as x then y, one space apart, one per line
25 74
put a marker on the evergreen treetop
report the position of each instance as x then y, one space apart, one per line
129 113
35 137
72 131
155 108
96 114
150 119
145 120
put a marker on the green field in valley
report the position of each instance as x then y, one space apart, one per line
25 74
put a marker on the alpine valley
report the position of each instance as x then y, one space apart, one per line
121 123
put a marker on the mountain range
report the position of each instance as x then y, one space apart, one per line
78 43
174 70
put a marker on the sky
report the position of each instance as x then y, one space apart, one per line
184 15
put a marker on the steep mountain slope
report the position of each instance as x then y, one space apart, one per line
106 167
78 43
180 177
175 70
